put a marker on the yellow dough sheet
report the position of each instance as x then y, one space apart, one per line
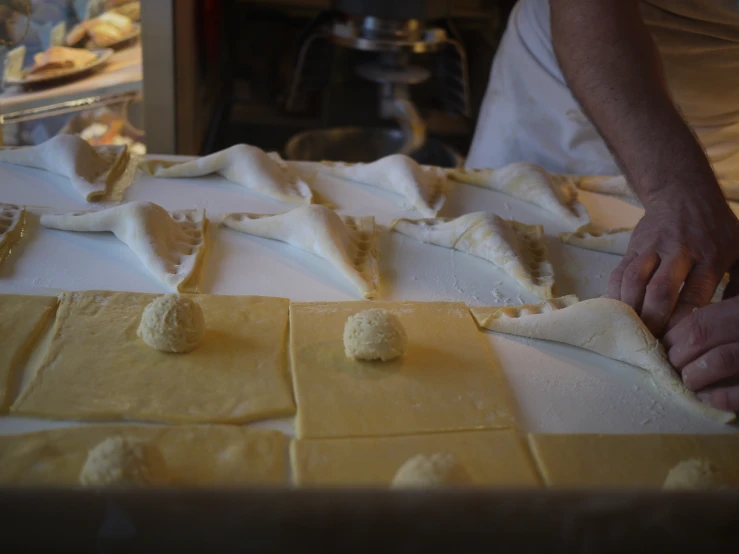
447 381
22 320
491 458
96 368
628 460
198 455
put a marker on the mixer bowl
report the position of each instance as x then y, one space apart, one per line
356 144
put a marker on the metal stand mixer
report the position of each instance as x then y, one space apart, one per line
393 30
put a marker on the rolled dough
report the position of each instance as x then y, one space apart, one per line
195 455
497 458
628 460
96 368
448 379
609 328
22 320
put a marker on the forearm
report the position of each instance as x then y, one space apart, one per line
614 70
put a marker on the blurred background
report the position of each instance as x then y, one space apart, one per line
345 80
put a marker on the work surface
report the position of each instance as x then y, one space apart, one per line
559 389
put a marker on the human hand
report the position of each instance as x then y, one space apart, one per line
704 348
681 239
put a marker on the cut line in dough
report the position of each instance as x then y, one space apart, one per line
96 368
533 184
23 319
486 316
245 165
619 187
92 170
12 219
612 329
423 188
610 241
195 455
171 245
348 243
514 247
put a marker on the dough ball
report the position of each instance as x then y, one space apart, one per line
120 461
436 470
172 323
692 475
374 334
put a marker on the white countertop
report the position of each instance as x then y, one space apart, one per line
559 389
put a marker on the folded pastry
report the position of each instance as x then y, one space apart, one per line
611 241
533 184
618 186
91 169
486 316
423 188
609 328
11 227
245 165
517 249
612 186
171 245
60 58
348 243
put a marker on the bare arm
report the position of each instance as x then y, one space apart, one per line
688 232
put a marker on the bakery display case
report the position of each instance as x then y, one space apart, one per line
63 61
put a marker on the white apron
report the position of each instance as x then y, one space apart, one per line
529 114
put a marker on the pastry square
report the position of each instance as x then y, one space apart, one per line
96 368
447 381
195 455
490 458
619 461
23 320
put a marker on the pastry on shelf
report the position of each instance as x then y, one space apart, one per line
132 10
101 31
60 59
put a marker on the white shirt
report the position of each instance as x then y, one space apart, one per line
529 114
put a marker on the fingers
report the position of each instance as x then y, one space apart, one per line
701 331
617 275
697 293
712 367
629 280
724 397
662 292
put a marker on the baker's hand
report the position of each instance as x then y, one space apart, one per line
681 239
704 348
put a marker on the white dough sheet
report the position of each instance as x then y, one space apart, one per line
558 388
